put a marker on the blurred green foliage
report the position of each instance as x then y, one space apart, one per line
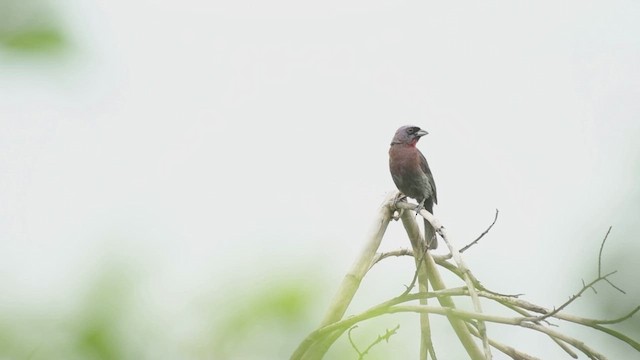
101 317
30 27
89 330
265 321
33 40
270 320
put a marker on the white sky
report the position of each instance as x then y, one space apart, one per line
195 138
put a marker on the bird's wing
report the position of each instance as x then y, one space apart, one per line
397 179
425 168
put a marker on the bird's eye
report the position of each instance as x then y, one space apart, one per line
411 130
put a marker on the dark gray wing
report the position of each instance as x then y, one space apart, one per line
425 168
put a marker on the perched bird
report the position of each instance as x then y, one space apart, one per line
411 174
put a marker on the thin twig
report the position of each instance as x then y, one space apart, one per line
570 318
353 344
387 335
415 275
574 297
524 312
614 286
481 235
406 252
397 253
600 262
600 252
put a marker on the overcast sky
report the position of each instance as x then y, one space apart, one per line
194 138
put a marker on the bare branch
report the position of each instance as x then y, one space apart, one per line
595 324
620 319
466 324
349 286
503 320
352 279
418 245
465 271
437 283
580 345
525 313
442 262
574 297
513 353
406 252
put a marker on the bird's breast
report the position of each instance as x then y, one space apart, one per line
404 159
407 174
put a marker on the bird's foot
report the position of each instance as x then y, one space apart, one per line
398 212
398 198
420 207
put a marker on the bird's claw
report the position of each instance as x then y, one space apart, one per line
397 213
398 198
420 207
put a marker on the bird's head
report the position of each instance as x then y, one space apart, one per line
408 135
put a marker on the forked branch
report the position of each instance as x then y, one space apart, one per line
466 324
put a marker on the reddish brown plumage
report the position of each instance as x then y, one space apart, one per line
411 174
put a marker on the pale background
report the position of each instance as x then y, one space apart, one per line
207 149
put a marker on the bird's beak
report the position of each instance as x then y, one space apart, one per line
422 133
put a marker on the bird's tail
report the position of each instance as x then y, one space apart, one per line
430 237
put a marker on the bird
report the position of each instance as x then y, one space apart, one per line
411 174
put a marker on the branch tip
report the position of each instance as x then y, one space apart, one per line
600 252
495 218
